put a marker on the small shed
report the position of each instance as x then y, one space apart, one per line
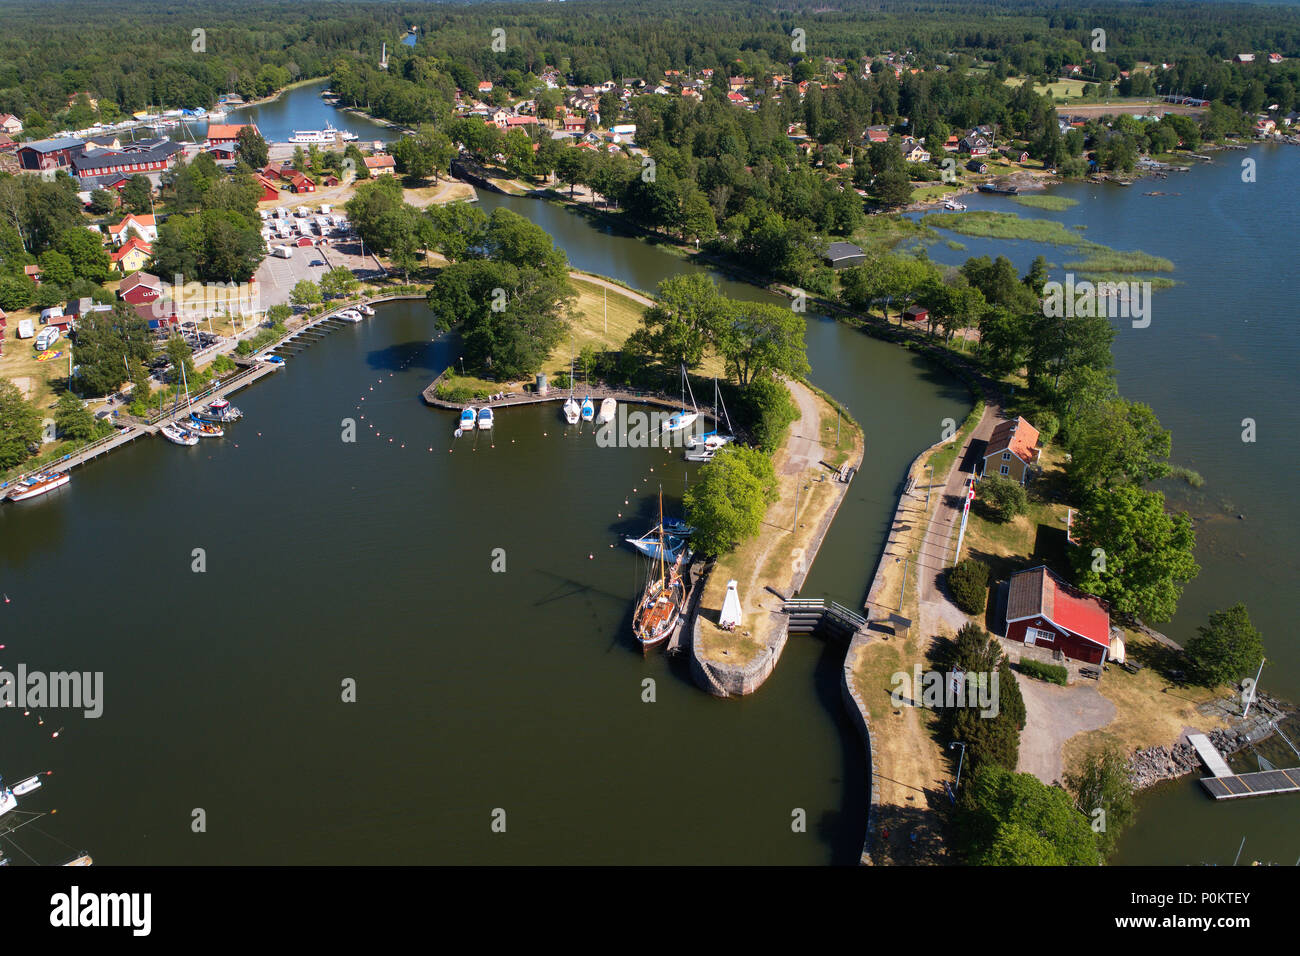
916 313
975 166
841 255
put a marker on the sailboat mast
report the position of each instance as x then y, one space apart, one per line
663 573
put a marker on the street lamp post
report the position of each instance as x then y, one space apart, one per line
960 760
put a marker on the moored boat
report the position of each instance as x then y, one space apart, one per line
588 409
649 545
485 418
349 315
468 418
660 608
608 409
365 310
178 435
27 786
38 484
204 429
685 417
219 410
572 411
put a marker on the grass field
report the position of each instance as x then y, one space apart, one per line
1050 203
1112 260
1058 89
1007 225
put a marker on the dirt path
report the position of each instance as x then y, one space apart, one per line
1053 715
636 297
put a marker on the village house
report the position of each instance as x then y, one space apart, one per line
270 191
916 313
132 256
381 165
1245 58
977 166
975 144
301 184
48 153
1015 155
219 133
841 255
877 134
10 124
146 227
34 273
1012 450
485 86
1043 610
140 287
914 152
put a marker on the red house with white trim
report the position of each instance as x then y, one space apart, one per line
1043 610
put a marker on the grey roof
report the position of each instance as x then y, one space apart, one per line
1025 594
53 145
842 250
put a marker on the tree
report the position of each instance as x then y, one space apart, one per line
1003 497
252 147
181 357
20 425
106 345
85 252
968 580
759 339
572 166
102 202
338 281
1132 553
305 293
766 410
686 317
1226 648
728 500
1117 441
74 420
137 194
1014 819
888 278
1103 782
56 268
16 292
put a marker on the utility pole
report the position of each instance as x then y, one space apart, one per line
1253 689
962 759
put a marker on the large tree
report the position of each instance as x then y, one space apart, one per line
1132 553
1226 648
726 503
1117 441
1014 819
20 425
758 339
687 317
1103 792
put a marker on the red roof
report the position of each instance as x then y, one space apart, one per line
220 131
1061 603
1017 436
135 242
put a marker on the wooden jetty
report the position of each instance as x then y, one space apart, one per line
598 394
1226 785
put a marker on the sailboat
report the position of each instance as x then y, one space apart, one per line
174 431
685 417
588 409
661 605
571 408
706 445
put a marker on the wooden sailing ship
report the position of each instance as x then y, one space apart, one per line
661 606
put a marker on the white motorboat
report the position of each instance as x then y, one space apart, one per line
485 418
178 435
350 315
608 409
468 418
27 786
201 429
588 409
365 310
7 801
38 484
711 441
219 410
953 205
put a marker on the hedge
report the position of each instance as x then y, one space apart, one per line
1052 673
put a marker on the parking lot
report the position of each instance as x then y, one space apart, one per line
276 277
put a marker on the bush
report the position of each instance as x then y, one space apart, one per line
968 580
1002 497
1052 673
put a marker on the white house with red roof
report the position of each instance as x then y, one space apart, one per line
1012 450
1043 610
146 228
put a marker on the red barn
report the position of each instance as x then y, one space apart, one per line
1043 610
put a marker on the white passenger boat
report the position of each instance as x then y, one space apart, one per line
322 137
178 435
219 410
38 484
485 418
202 429
608 409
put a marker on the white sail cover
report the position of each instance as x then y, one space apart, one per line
730 616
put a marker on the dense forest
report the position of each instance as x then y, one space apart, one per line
128 54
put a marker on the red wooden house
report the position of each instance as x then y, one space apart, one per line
140 287
1045 611
301 184
270 191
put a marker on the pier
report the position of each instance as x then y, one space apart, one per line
1226 785
598 394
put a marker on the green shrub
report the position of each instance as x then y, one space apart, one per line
766 409
1052 673
968 580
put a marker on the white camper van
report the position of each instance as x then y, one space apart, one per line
47 338
283 252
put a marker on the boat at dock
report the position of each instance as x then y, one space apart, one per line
468 418
485 418
572 410
710 442
954 205
365 310
608 409
588 409
326 136
178 435
218 410
685 417
349 315
41 483
27 786
660 608
203 429
999 190
649 544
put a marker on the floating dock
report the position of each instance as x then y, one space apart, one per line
1226 785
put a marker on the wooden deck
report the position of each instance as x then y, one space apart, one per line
1209 755
598 394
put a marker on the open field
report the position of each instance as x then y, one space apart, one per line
1059 89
